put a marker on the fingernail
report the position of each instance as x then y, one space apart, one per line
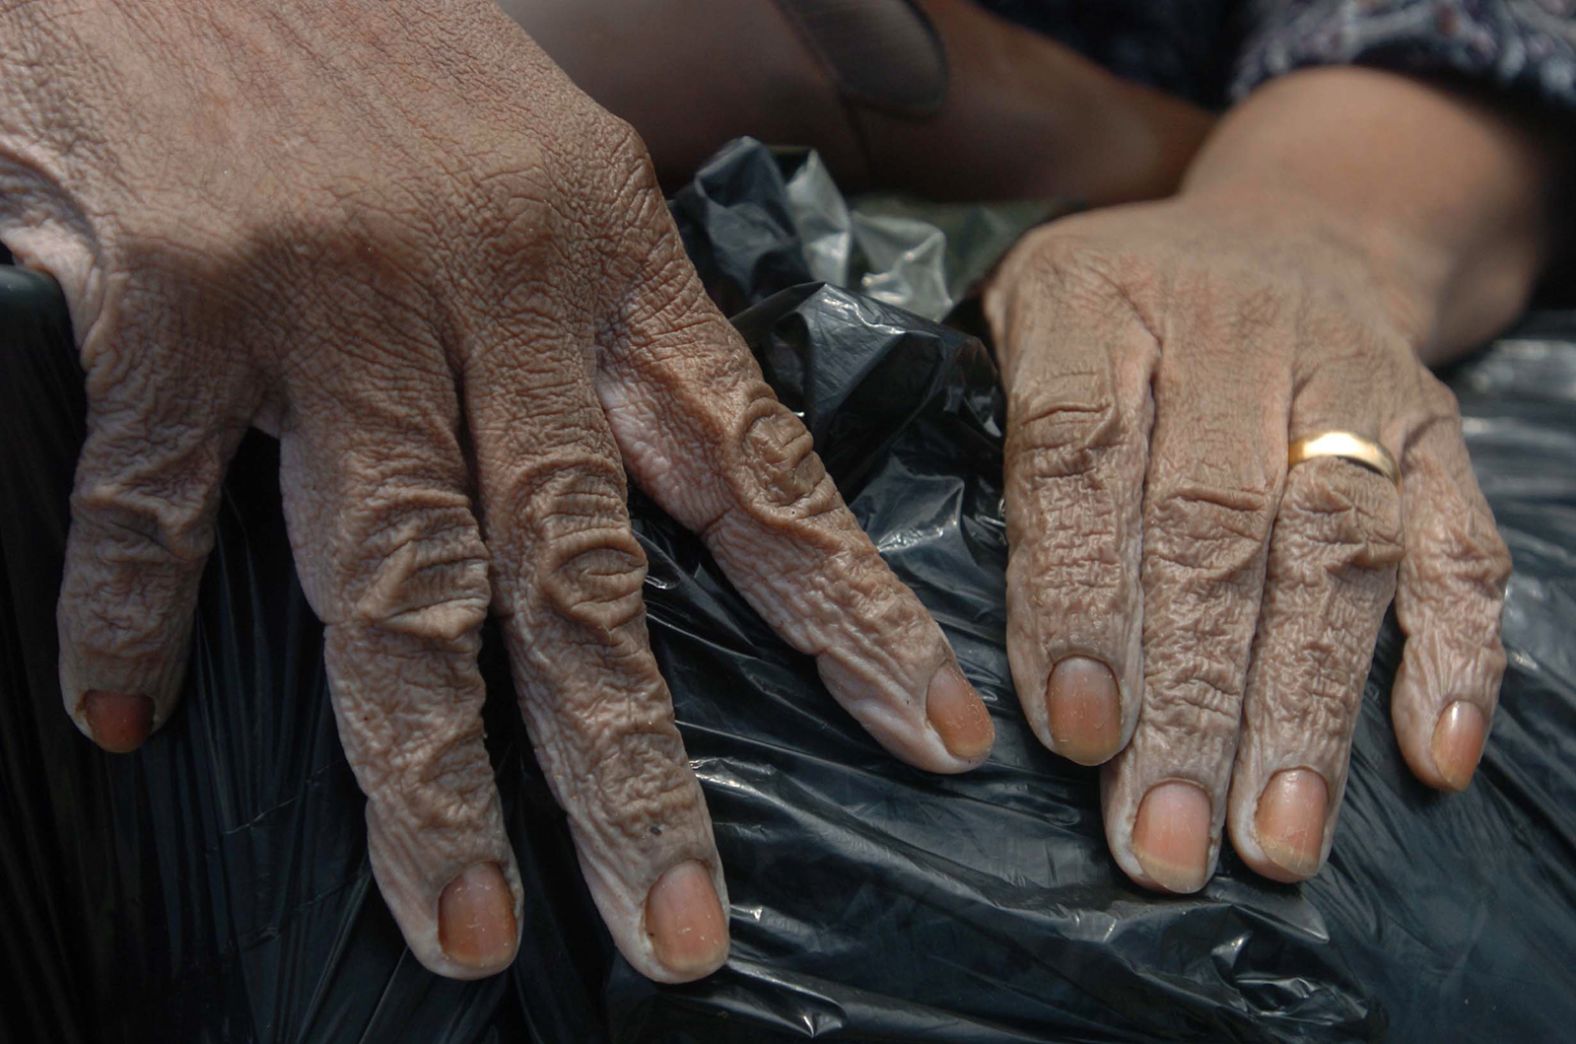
1171 836
1458 743
1289 821
685 921
120 721
958 714
1085 710
476 925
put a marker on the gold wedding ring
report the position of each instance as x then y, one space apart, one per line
1347 446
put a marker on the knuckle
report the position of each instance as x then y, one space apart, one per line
520 218
1438 400
668 317
441 756
139 531
1478 559
439 776
1497 561
1061 436
643 777
1069 545
1216 530
1460 554
1330 681
774 472
502 172
609 167
517 203
1482 553
622 150
1197 697
1341 516
416 746
426 576
589 565
636 779
593 576
348 228
147 488
1071 575
1311 660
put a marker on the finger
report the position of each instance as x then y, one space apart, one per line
1449 598
568 575
391 559
160 434
1078 420
1216 461
1329 578
705 437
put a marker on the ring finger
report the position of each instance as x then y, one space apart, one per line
1330 576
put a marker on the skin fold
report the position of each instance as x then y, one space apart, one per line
1184 608
398 237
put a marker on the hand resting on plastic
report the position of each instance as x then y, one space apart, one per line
404 242
1185 605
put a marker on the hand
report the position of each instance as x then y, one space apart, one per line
405 243
1180 602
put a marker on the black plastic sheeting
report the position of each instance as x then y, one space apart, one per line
756 220
214 886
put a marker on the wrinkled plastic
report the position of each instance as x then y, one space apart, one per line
756 220
214 886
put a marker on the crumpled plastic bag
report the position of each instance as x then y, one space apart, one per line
756 220
214 887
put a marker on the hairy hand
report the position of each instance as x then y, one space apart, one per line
1182 606
399 238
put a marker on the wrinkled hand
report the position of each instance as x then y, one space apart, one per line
403 241
1184 608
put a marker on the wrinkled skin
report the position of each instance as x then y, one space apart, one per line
1158 359
397 237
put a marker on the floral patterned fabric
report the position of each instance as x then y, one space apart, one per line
1523 45
1214 51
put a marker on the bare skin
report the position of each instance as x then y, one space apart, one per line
1184 608
1022 115
401 240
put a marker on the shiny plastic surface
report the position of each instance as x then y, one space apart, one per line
214 886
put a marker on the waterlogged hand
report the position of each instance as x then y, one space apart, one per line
399 238
1185 608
